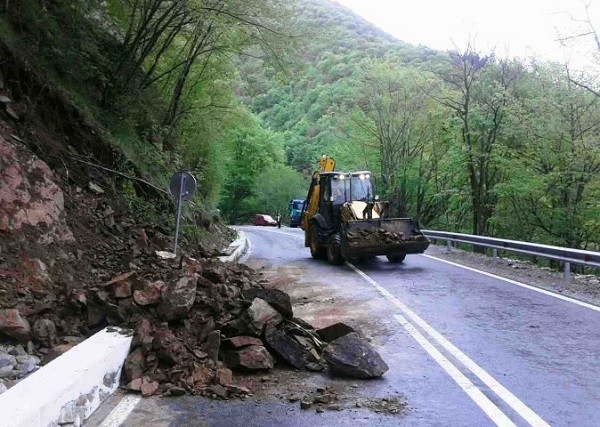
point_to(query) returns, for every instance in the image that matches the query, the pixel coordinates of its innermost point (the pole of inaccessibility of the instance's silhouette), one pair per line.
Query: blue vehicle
(296, 212)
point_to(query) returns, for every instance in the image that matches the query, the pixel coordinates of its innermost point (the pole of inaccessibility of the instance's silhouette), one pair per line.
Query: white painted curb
(71, 387)
(241, 246)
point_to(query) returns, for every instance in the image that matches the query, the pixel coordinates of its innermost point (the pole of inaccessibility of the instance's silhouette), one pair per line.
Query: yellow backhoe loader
(343, 219)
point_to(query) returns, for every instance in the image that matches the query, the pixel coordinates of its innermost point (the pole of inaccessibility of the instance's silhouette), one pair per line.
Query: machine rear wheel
(396, 258)
(316, 251)
(334, 251)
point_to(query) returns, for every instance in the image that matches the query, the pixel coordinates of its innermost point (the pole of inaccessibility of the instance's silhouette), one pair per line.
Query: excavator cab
(343, 219)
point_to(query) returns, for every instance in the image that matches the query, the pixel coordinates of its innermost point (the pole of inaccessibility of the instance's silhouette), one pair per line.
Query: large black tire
(396, 258)
(316, 251)
(334, 250)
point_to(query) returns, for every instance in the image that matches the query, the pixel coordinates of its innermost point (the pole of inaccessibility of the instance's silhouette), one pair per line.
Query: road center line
(517, 405)
(491, 410)
(523, 285)
(120, 412)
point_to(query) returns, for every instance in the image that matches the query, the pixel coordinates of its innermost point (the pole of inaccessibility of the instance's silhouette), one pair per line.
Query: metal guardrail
(565, 255)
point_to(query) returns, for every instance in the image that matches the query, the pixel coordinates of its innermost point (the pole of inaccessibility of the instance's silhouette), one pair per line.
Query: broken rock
(44, 330)
(254, 357)
(352, 356)
(134, 365)
(276, 298)
(240, 341)
(150, 294)
(259, 314)
(335, 331)
(14, 325)
(285, 346)
(178, 299)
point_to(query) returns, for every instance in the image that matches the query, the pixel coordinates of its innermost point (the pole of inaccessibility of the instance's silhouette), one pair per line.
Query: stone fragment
(178, 299)
(119, 279)
(142, 335)
(35, 272)
(44, 331)
(7, 363)
(259, 314)
(148, 387)
(122, 290)
(240, 341)
(94, 188)
(2, 388)
(335, 331)
(14, 325)
(202, 376)
(312, 366)
(237, 389)
(216, 273)
(305, 404)
(224, 376)
(352, 356)
(150, 294)
(135, 385)
(285, 346)
(276, 298)
(254, 357)
(134, 365)
(219, 390)
(212, 345)
(168, 348)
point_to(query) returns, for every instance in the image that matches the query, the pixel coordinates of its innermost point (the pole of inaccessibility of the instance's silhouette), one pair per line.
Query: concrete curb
(69, 389)
(239, 248)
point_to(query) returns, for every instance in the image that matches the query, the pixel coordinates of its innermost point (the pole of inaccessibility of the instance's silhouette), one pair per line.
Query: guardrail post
(567, 271)
(495, 254)
(448, 246)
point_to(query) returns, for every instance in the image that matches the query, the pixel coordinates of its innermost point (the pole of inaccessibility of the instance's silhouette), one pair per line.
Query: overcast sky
(521, 27)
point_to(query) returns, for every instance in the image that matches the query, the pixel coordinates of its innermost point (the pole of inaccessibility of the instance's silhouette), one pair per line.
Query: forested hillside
(465, 141)
(248, 94)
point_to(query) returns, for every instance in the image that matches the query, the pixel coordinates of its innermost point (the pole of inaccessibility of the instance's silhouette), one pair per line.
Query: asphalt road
(463, 348)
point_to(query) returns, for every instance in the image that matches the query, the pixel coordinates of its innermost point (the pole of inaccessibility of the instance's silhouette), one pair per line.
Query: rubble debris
(276, 298)
(285, 346)
(259, 314)
(352, 356)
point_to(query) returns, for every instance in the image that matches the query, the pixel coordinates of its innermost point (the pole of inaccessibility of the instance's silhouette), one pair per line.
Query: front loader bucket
(382, 237)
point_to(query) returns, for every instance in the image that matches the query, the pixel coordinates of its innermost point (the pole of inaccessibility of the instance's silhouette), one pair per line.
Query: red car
(262, 219)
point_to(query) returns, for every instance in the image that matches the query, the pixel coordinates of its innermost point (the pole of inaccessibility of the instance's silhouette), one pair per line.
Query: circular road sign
(184, 184)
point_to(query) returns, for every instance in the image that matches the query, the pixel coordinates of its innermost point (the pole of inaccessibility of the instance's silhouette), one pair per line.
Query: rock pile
(211, 318)
(16, 363)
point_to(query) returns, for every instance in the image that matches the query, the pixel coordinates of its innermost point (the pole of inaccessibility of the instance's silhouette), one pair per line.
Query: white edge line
(120, 413)
(523, 410)
(490, 409)
(523, 285)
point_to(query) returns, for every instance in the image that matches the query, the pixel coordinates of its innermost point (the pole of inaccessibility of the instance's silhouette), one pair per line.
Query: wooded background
(248, 94)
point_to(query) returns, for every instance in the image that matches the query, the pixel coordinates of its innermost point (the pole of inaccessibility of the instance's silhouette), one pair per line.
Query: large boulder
(178, 299)
(277, 299)
(352, 356)
(259, 314)
(285, 346)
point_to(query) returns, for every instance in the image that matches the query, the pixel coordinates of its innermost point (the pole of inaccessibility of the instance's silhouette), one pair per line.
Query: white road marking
(523, 285)
(491, 410)
(120, 413)
(513, 401)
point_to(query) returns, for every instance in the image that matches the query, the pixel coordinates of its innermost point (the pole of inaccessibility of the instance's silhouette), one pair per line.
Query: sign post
(182, 187)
